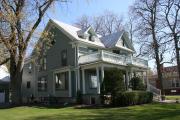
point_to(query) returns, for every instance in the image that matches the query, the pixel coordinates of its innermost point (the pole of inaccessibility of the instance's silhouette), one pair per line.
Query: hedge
(133, 98)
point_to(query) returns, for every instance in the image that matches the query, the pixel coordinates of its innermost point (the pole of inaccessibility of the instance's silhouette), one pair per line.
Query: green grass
(172, 97)
(153, 111)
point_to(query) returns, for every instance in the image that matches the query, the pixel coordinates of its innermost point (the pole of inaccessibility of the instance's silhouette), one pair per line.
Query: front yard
(153, 111)
(173, 97)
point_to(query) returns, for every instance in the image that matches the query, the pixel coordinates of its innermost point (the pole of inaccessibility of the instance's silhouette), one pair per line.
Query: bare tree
(83, 22)
(171, 18)
(147, 28)
(19, 20)
(104, 24)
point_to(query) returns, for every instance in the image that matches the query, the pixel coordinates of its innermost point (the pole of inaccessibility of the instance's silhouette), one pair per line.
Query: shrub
(133, 98)
(112, 84)
(79, 99)
(137, 84)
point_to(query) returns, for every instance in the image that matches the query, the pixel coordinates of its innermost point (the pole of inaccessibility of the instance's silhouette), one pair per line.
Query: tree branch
(5, 61)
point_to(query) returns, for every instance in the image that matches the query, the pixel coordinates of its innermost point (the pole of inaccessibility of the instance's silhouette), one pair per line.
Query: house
(78, 60)
(4, 84)
(171, 82)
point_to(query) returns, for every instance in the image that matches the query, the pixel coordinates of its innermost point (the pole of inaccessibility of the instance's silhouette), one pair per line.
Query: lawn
(153, 111)
(173, 97)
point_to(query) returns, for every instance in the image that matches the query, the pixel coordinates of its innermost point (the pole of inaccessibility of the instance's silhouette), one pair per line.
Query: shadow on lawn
(40, 106)
(145, 112)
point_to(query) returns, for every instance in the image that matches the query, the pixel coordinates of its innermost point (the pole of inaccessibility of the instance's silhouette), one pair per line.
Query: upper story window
(43, 63)
(116, 51)
(64, 57)
(42, 84)
(30, 67)
(28, 85)
(61, 81)
(86, 50)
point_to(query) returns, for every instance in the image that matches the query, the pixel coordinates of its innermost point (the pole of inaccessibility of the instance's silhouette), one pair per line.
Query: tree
(104, 24)
(18, 22)
(148, 29)
(137, 83)
(171, 18)
(113, 83)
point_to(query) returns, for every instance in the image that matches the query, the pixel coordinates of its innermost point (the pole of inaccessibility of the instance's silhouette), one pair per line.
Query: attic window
(123, 42)
(53, 42)
(92, 38)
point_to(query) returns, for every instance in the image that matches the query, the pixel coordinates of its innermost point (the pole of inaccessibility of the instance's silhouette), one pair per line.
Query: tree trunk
(16, 81)
(177, 54)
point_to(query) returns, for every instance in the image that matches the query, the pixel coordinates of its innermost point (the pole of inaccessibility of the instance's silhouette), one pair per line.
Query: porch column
(70, 90)
(127, 80)
(83, 82)
(102, 73)
(98, 82)
(131, 74)
(147, 81)
(142, 74)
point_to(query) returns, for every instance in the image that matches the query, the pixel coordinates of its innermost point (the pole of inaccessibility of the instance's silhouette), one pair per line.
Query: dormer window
(92, 38)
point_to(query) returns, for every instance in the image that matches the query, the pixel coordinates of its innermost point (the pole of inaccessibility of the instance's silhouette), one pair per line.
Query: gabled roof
(110, 40)
(72, 32)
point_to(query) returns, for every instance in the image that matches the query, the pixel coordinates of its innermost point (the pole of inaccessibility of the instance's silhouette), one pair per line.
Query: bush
(133, 98)
(137, 84)
(79, 99)
(112, 84)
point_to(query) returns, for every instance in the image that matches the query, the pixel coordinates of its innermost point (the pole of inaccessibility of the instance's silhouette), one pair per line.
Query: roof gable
(124, 41)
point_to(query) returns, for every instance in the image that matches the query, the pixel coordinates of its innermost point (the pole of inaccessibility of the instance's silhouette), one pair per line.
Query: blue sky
(71, 11)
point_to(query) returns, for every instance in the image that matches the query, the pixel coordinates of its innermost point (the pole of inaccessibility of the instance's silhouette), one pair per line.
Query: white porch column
(70, 90)
(83, 81)
(98, 81)
(127, 79)
(102, 73)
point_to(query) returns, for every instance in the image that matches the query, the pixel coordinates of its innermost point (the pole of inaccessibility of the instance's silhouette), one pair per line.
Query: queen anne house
(78, 60)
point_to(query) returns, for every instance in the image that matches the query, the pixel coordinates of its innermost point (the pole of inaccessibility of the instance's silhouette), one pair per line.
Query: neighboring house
(78, 60)
(171, 82)
(4, 84)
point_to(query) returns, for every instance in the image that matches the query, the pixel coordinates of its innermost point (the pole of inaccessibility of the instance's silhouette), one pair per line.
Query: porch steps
(156, 92)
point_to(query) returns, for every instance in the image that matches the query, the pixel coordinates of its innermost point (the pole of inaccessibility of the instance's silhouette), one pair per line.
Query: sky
(71, 11)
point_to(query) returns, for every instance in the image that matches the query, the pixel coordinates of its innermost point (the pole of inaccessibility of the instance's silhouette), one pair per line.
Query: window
(61, 81)
(175, 83)
(64, 58)
(30, 67)
(116, 51)
(43, 63)
(28, 85)
(91, 50)
(42, 84)
(93, 81)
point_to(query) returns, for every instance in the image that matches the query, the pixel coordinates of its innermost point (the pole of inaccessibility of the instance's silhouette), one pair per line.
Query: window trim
(46, 84)
(28, 86)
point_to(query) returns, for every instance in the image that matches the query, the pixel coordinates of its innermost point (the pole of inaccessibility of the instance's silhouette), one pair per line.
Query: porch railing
(156, 92)
(112, 58)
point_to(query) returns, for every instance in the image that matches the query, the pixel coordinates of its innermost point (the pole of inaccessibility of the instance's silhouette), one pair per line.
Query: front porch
(92, 75)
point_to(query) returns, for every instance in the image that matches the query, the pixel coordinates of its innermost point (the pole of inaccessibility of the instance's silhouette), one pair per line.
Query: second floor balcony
(113, 58)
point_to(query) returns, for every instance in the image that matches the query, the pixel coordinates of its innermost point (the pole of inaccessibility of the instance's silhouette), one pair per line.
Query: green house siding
(54, 62)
